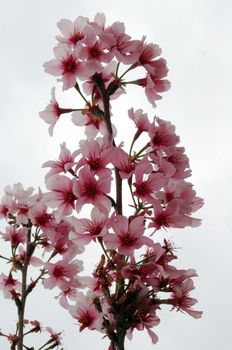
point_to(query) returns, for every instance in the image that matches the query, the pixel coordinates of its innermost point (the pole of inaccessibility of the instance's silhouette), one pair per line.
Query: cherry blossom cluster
(32, 238)
(88, 48)
(135, 274)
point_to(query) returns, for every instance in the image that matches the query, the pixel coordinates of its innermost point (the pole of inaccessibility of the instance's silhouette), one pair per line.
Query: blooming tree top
(135, 271)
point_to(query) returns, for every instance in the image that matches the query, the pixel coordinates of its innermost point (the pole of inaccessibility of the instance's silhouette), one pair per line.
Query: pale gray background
(196, 39)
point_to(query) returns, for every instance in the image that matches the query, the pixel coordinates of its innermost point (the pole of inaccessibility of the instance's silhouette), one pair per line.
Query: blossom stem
(21, 306)
(117, 69)
(103, 248)
(126, 71)
(105, 97)
(3, 257)
(79, 91)
(142, 150)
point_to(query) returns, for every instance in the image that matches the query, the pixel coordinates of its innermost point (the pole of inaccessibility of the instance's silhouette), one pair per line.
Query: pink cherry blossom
(128, 236)
(61, 196)
(52, 112)
(153, 86)
(163, 135)
(147, 55)
(168, 216)
(15, 236)
(97, 50)
(86, 314)
(99, 23)
(140, 119)
(65, 163)
(97, 155)
(40, 217)
(67, 65)
(182, 301)
(145, 187)
(92, 120)
(61, 273)
(121, 160)
(183, 192)
(9, 285)
(180, 161)
(171, 216)
(88, 189)
(87, 230)
(5, 206)
(73, 32)
(126, 50)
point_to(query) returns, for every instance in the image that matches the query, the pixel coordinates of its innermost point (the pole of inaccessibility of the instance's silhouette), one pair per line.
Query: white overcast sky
(196, 38)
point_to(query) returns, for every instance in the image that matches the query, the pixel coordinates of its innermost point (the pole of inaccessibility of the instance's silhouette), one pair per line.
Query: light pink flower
(126, 51)
(181, 300)
(180, 161)
(65, 163)
(67, 65)
(9, 285)
(92, 120)
(97, 155)
(140, 119)
(73, 32)
(171, 216)
(183, 192)
(121, 160)
(86, 314)
(40, 216)
(61, 196)
(61, 273)
(147, 55)
(87, 230)
(97, 50)
(163, 135)
(15, 236)
(52, 112)
(128, 236)
(88, 189)
(145, 186)
(5, 206)
(168, 216)
(153, 87)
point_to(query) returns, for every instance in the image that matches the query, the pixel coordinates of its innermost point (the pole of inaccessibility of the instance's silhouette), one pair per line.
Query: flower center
(69, 65)
(90, 190)
(75, 37)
